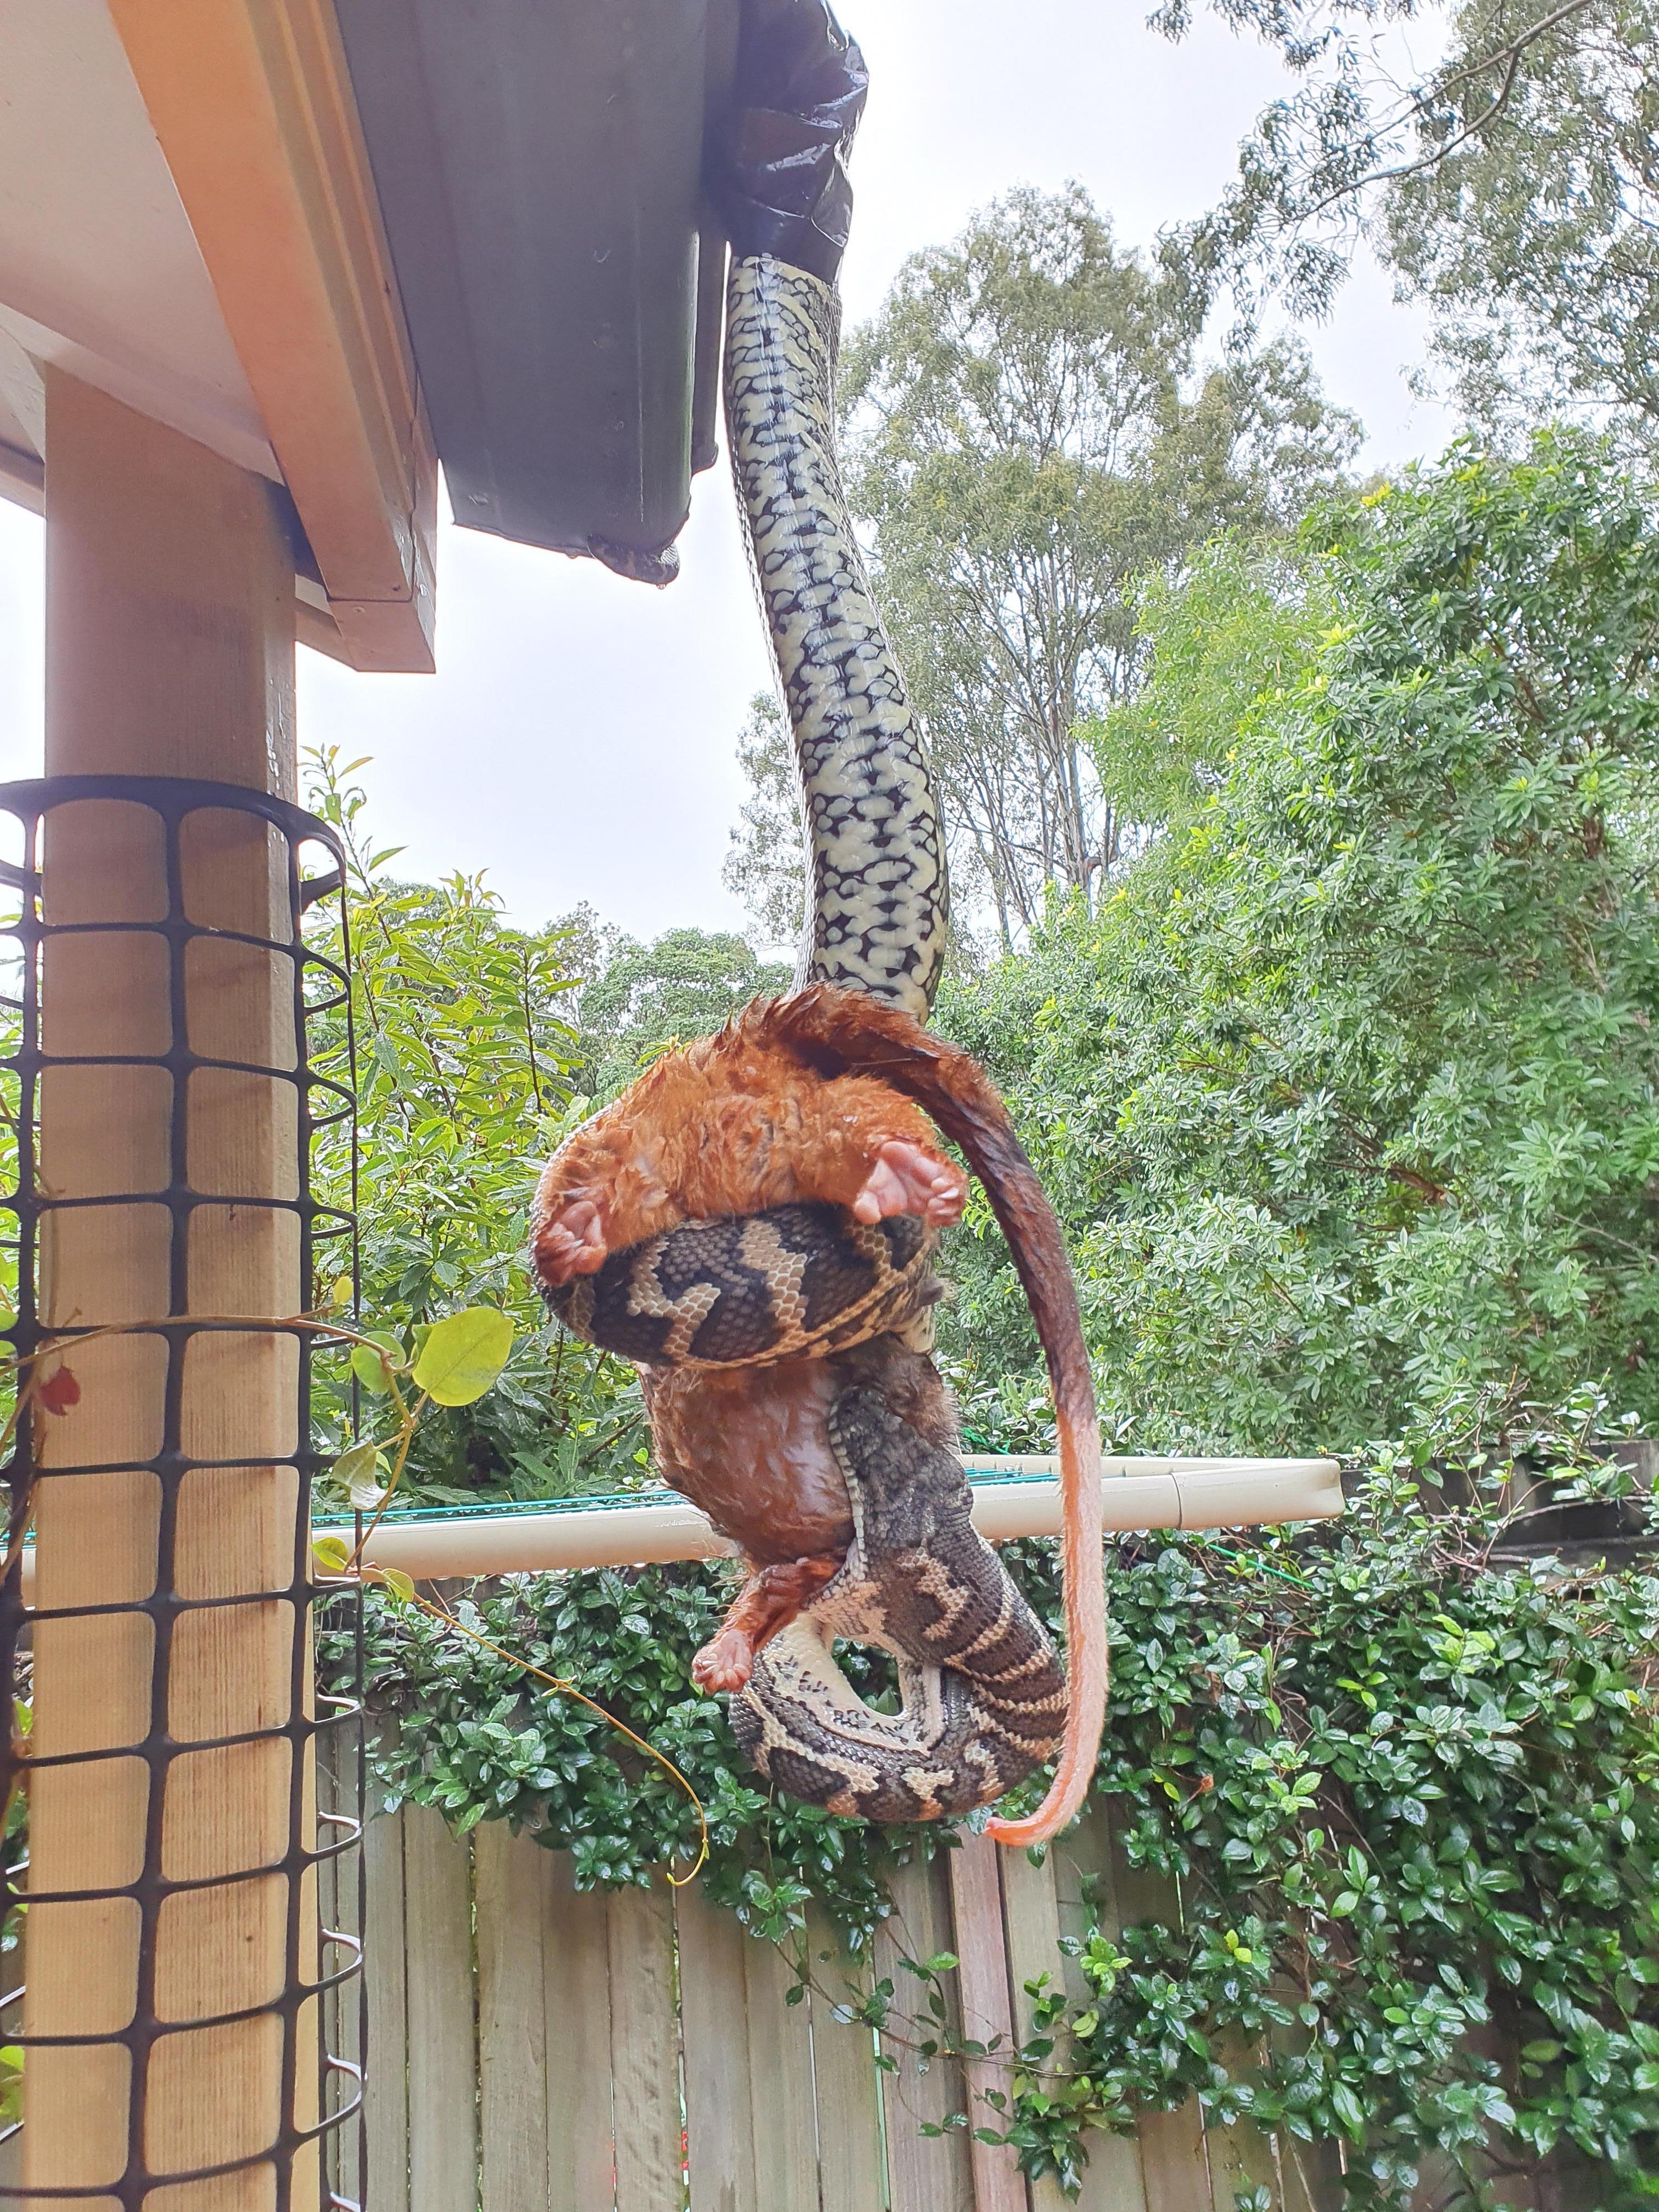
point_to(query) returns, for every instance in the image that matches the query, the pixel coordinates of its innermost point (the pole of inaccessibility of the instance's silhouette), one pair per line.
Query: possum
(734, 1124)
(820, 1096)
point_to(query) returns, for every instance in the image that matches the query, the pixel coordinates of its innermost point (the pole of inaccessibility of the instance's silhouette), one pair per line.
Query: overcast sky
(577, 742)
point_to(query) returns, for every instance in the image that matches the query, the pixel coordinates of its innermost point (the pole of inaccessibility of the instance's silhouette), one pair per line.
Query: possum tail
(839, 1032)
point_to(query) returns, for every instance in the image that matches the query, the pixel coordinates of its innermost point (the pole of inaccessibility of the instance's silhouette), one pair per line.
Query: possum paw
(724, 1662)
(572, 1243)
(907, 1180)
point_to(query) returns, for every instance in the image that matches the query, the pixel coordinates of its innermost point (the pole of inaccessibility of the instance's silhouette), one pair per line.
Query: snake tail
(878, 907)
(838, 1032)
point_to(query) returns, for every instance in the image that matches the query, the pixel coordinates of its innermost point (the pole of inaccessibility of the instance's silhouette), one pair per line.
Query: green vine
(1405, 1789)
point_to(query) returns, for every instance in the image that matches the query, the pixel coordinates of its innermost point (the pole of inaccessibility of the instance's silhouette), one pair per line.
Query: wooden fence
(533, 2046)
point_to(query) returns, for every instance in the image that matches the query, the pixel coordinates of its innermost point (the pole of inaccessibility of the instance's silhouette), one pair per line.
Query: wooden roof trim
(23, 479)
(253, 105)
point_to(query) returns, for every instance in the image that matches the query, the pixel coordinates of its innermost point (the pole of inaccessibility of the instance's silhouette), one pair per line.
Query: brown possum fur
(733, 1125)
(815, 1096)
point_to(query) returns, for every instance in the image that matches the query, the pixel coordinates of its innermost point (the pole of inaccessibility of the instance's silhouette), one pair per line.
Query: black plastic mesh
(321, 1730)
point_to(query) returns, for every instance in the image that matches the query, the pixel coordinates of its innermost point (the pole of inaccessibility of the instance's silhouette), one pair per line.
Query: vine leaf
(59, 1391)
(355, 1470)
(372, 1371)
(463, 1356)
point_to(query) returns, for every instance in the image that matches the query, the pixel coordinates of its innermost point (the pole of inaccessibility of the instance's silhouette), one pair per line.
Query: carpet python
(876, 842)
(984, 1700)
(983, 1697)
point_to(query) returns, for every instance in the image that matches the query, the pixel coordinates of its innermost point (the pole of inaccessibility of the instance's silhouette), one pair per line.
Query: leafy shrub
(1349, 1096)
(1406, 1790)
(464, 1067)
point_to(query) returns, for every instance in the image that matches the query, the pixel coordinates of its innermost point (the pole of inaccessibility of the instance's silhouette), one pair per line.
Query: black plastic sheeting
(777, 160)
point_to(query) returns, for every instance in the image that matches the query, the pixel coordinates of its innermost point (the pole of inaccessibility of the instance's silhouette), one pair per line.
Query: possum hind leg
(904, 1178)
(767, 1602)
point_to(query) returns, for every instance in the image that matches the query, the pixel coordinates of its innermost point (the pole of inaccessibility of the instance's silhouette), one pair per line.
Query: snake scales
(982, 1696)
(984, 1699)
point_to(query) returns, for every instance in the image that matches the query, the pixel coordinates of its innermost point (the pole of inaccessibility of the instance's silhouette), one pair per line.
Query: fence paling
(925, 2174)
(507, 1885)
(567, 2010)
(443, 2147)
(574, 1936)
(387, 2108)
(1116, 2180)
(714, 2023)
(645, 2069)
(1173, 2163)
(845, 2085)
(780, 2040)
(986, 2017)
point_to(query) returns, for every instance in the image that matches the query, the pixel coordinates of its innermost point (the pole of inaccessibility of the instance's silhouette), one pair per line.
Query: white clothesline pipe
(1138, 1493)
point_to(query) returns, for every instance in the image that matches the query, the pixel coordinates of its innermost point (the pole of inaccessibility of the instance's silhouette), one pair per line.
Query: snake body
(984, 1699)
(878, 904)
(746, 1290)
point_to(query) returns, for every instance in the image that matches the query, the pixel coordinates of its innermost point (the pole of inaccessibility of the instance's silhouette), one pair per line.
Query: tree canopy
(640, 998)
(1028, 431)
(1511, 187)
(1350, 1094)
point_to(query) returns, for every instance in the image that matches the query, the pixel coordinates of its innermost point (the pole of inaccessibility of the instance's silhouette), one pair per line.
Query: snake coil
(983, 1698)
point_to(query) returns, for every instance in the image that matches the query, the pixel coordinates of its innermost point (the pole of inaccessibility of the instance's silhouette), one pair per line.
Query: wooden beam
(253, 106)
(22, 479)
(169, 652)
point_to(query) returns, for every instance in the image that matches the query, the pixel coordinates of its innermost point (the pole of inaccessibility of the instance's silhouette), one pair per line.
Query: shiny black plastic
(776, 166)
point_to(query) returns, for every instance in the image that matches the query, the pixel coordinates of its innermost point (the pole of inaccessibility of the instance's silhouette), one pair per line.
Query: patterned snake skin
(879, 908)
(798, 1281)
(984, 1698)
(983, 1695)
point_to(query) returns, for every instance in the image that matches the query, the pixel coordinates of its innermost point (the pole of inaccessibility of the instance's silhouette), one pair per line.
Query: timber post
(169, 654)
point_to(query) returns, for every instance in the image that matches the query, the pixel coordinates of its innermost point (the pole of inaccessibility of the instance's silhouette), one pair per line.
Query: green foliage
(644, 999)
(465, 1078)
(1405, 1790)
(1511, 185)
(463, 1356)
(1350, 1095)
(1534, 238)
(472, 1737)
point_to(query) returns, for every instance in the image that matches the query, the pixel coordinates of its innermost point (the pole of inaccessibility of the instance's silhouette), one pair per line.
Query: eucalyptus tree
(766, 859)
(1026, 434)
(1512, 186)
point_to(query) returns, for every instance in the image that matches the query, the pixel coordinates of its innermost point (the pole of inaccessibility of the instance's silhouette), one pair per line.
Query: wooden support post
(169, 653)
